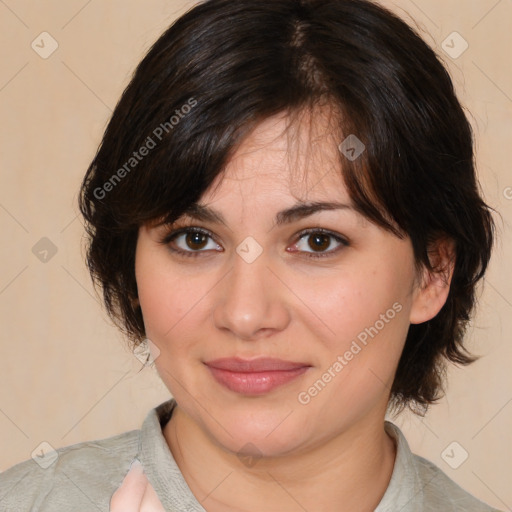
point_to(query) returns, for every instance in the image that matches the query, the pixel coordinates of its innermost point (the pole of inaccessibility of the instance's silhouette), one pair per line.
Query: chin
(257, 436)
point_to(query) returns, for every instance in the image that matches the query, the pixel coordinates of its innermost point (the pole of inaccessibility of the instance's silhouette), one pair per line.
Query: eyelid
(338, 236)
(180, 230)
(322, 254)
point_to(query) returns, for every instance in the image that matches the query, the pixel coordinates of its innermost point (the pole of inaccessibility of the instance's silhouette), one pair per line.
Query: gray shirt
(82, 477)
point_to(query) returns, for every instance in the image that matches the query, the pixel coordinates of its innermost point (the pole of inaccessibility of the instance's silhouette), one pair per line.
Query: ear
(430, 294)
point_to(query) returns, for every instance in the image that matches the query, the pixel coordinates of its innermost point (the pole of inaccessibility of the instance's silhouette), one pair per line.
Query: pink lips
(256, 376)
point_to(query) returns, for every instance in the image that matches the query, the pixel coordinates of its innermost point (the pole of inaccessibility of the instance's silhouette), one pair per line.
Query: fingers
(128, 498)
(150, 501)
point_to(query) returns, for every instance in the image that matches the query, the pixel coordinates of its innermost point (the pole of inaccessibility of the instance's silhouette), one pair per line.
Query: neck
(350, 471)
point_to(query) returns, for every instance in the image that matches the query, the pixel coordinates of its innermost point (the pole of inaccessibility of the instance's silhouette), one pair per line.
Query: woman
(284, 211)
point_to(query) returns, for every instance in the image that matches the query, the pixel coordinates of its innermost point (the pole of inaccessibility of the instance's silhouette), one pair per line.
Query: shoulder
(417, 484)
(82, 476)
(437, 487)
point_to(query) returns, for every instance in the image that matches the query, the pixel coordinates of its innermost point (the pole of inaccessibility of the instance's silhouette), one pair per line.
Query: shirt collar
(159, 465)
(404, 491)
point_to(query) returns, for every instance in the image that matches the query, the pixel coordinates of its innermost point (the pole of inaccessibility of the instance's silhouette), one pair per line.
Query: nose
(251, 302)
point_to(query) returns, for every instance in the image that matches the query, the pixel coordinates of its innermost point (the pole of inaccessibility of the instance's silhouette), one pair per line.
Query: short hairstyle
(225, 66)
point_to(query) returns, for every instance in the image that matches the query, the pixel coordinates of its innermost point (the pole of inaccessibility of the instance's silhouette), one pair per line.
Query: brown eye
(196, 240)
(190, 241)
(320, 243)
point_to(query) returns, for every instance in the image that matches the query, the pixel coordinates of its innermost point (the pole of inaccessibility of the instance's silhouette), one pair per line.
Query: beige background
(65, 375)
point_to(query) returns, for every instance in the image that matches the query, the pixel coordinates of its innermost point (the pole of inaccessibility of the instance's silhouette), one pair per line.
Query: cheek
(364, 314)
(164, 297)
(358, 362)
(167, 306)
(360, 298)
(175, 309)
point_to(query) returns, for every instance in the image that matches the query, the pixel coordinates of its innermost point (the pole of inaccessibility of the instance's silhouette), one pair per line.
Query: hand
(135, 494)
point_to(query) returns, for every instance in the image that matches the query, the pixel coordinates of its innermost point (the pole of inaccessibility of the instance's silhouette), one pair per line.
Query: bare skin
(135, 494)
(330, 452)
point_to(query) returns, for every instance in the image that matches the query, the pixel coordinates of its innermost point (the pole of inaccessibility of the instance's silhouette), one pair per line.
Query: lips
(256, 376)
(262, 364)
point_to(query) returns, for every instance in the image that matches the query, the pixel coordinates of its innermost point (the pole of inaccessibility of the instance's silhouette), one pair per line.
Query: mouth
(256, 376)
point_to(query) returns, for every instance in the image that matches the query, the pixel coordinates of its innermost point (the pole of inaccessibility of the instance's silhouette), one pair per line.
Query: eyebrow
(296, 212)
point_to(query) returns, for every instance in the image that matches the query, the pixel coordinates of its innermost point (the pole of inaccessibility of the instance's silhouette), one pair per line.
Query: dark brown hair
(225, 66)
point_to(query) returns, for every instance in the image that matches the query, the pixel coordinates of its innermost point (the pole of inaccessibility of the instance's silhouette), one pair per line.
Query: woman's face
(253, 288)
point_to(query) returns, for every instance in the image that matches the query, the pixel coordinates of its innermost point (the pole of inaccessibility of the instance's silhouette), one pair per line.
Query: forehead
(285, 155)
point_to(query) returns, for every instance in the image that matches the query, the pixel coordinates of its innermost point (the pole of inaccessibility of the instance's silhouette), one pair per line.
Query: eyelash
(169, 237)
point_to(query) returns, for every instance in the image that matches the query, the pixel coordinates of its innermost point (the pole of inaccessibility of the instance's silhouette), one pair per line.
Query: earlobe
(431, 293)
